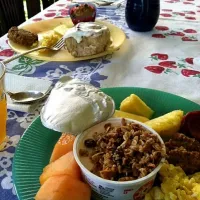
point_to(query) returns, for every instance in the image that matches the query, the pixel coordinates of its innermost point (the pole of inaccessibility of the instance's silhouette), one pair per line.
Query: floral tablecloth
(167, 58)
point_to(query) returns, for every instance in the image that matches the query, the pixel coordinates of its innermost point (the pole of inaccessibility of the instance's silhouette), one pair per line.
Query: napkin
(16, 83)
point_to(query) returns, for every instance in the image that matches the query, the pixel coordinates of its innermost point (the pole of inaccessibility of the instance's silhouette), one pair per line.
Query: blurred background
(15, 12)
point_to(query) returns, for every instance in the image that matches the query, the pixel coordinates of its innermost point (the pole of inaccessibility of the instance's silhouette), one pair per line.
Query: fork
(55, 47)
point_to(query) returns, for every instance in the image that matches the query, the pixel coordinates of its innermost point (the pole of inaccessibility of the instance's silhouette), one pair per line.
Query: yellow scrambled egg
(176, 185)
(51, 37)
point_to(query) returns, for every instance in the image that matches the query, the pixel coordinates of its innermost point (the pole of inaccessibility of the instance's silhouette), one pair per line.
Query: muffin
(87, 38)
(85, 12)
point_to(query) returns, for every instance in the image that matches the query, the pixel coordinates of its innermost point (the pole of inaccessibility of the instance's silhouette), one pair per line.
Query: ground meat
(184, 152)
(126, 152)
(22, 37)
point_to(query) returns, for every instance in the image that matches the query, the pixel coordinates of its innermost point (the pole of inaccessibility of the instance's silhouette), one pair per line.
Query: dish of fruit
(44, 160)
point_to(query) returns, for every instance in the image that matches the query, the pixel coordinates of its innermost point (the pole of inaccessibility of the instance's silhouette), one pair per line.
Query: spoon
(25, 97)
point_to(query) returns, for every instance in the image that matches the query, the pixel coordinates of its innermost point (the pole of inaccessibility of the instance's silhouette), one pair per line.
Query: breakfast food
(168, 124)
(124, 152)
(191, 125)
(184, 152)
(82, 13)
(22, 37)
(64, 165)
(63, 187)
(49, 39)
(63, 146)
(72, 100)
(61, 29)
(134, 104)
(119, 113)
(175, 185)
(87, 38)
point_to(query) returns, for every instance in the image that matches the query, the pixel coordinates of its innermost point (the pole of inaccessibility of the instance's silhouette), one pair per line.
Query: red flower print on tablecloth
(158, 69)
(186, 2)
(60, 5)
(189, 61)
(185, 15)
(191, 12)
(50, 14)
(37, 19)
(190, 18)
(162, 28)
(169, 64)
(162, 32)
(159, 56)
(166, 15)
(190, 72)
(158, 36)
(190, 31)
(176, 33)
(189, 39)
(6, 52)
(179, 66)
(179, 13)
(155, 69)
(167, 10)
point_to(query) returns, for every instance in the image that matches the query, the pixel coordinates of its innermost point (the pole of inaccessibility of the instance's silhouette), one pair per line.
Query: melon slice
(63, 187)
(63, 146)
(64, 165)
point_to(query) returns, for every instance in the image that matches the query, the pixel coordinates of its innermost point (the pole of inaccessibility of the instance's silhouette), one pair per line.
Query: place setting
(110, 109)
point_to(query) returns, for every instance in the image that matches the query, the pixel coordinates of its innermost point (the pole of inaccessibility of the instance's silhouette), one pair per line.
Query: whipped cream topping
(85, 29)
(74, 106)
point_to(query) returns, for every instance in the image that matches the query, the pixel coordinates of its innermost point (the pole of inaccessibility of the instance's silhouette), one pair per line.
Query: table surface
(165, 58)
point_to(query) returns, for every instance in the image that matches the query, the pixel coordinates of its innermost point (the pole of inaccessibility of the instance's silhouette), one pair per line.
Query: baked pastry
(85, 12)
(87, 38)
(22, 37)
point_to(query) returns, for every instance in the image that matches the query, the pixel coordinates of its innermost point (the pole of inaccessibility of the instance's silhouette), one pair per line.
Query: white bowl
(114, 190)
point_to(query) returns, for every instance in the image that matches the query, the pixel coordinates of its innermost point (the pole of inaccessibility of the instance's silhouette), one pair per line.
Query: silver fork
(55, 47)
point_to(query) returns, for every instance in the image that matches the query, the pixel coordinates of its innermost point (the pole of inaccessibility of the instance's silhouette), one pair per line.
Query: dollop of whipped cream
(85, 29)
(74, 106)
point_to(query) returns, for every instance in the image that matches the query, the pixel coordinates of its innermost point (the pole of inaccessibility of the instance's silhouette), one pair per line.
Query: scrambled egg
(51, 37)
(176, 185)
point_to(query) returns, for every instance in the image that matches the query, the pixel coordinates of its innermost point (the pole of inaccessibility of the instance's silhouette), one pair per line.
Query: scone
(87, 38)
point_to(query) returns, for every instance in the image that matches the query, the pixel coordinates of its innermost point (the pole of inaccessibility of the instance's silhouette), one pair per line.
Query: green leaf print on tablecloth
(25, 66)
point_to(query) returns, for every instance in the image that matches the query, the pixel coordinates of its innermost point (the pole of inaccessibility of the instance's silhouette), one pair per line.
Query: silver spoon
(26, 97)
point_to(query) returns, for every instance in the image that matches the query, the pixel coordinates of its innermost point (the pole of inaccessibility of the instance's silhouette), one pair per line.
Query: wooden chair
(12, 12)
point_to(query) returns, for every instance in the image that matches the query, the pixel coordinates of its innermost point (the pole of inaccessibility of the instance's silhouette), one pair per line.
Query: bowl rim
(86, 171)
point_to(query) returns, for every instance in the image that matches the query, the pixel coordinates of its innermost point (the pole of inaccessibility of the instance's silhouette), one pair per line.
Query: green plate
(35, 147)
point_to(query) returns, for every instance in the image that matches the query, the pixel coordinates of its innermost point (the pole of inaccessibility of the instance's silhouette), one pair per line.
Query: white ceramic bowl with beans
(103, 189)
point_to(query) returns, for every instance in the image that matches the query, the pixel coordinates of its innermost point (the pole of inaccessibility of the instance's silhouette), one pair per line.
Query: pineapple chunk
(61, 29)
(168, 124)
(133, 104)
(122, 114)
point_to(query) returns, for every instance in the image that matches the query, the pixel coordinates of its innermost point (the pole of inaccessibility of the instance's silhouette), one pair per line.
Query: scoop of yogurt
(74, 106)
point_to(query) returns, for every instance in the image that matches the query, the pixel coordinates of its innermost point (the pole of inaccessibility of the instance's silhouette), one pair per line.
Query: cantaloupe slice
(63, 146)
(64, 165)
(63, 187)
